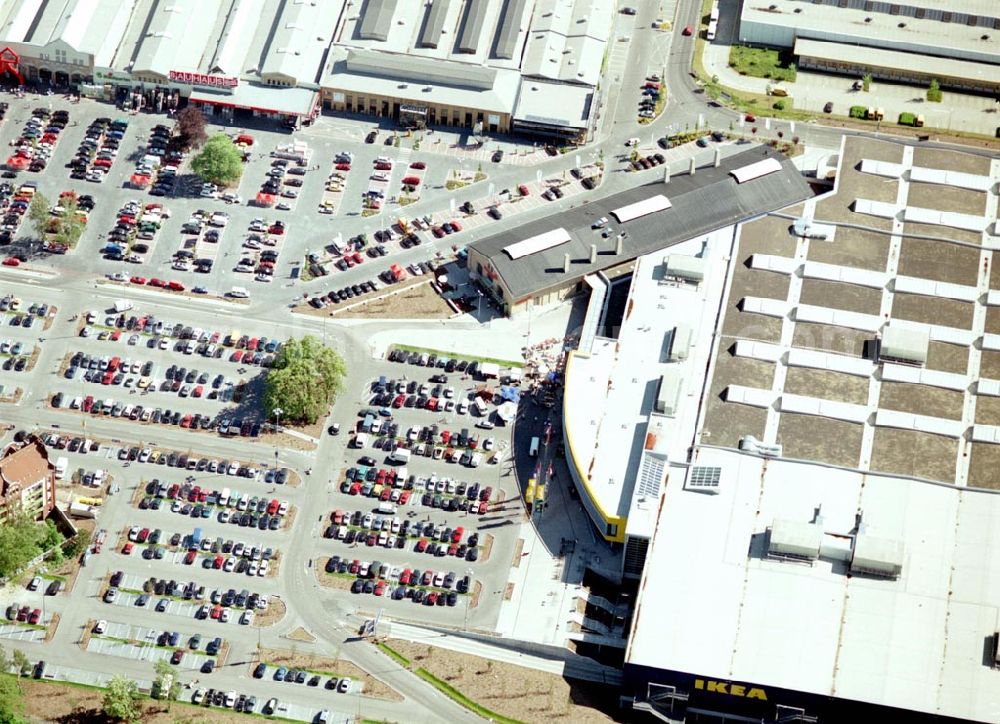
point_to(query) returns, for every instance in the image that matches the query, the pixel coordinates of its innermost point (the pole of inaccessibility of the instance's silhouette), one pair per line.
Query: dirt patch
(538, 695)
(518, 549)
(333, 580)
(289, 519)
(487, 547)
(508, 593)
(53, 625)
(283, 441)
(922, 400)
(853, 248)
(477, 591)
(275, 612)
(837, 295)
(418, 301)
(14, 397)
(323, 665)
(811, 437)
(909, 452)
(60, 702)
(827, 385)
(300, 634)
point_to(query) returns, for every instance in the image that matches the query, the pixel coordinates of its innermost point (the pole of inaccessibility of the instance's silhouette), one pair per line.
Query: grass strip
(440, 353)
(455, 695)
(394, 655)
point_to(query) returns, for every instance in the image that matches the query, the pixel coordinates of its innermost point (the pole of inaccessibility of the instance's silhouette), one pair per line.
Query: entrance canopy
(263, 99)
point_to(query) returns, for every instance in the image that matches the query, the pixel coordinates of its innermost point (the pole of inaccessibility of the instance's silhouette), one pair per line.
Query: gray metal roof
(420, 69)
(510, 28)
(709, 200)
(430, 36)
(376, 18)
(472, 26)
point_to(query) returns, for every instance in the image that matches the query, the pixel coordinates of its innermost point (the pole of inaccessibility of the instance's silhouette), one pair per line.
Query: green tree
(68, 228)
(934, 91)
(306, 377)
(38, 213)
(121, 699)
(21, 662)
(164, 673)
(11, 700)
(219, 162)
(21, 540)
(866, 82)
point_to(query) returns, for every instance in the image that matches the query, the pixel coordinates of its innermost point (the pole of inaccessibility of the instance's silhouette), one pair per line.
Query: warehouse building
(493, 66)
(819, 549)
(547, 260)
(958, 42)
(259, 57)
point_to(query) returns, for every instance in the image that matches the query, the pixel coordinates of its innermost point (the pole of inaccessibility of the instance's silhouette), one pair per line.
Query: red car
(197, 391)
(421, 545)
(127, 549)
(398, 402)
(411, 180)
(456, 535)
(438, 232)
(688, 30)
(404, 497)
(418, 165)
(483, 507)
(143, 535)
(154, 282)
(35, 616)
(355, 489)
(386, 492)
(189, 558)
(458, 226)
(12, 261)
(138, 280)
(358, 259)
(343, 167)
(276, 229)
(383, 166)
(523, 190)
(379, 590)
(751, 117)
(175, 286)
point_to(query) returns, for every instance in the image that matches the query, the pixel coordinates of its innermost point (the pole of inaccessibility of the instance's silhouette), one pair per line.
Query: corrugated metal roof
(709, 200)
(376, 19)
(472, 26)
(430, 36)
(510, 28)
(420, 70)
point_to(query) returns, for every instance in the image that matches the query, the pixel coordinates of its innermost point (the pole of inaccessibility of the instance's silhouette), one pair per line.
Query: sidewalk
(812, 91)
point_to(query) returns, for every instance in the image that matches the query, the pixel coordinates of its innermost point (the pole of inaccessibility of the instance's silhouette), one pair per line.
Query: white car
(101, 627)
(262, 570)
(632, 142)
(230, 699)
(247, 618)
(118, 277)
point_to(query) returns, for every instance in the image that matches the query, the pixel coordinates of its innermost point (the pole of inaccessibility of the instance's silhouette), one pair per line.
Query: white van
(360, 440)
(533, 450)
(61, 465)
(239, 293)
(400, 455)
(386, 508)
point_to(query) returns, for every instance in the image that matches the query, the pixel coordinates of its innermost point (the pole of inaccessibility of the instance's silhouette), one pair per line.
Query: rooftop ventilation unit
(879, 557)
(750, 444)
(794, 540)
(704, 479)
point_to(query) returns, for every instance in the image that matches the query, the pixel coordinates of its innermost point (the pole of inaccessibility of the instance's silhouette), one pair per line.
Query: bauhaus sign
(214, 81)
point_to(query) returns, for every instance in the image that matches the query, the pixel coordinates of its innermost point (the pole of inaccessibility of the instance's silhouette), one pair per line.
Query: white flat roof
(755, 170)
(915, 642)
(608, 413)
(535, 244)
(655, 203)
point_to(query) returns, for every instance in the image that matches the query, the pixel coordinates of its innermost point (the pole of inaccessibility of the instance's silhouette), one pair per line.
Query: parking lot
(145, 366)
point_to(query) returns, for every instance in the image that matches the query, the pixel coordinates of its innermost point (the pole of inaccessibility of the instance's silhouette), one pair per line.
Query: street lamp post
(277, 427)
